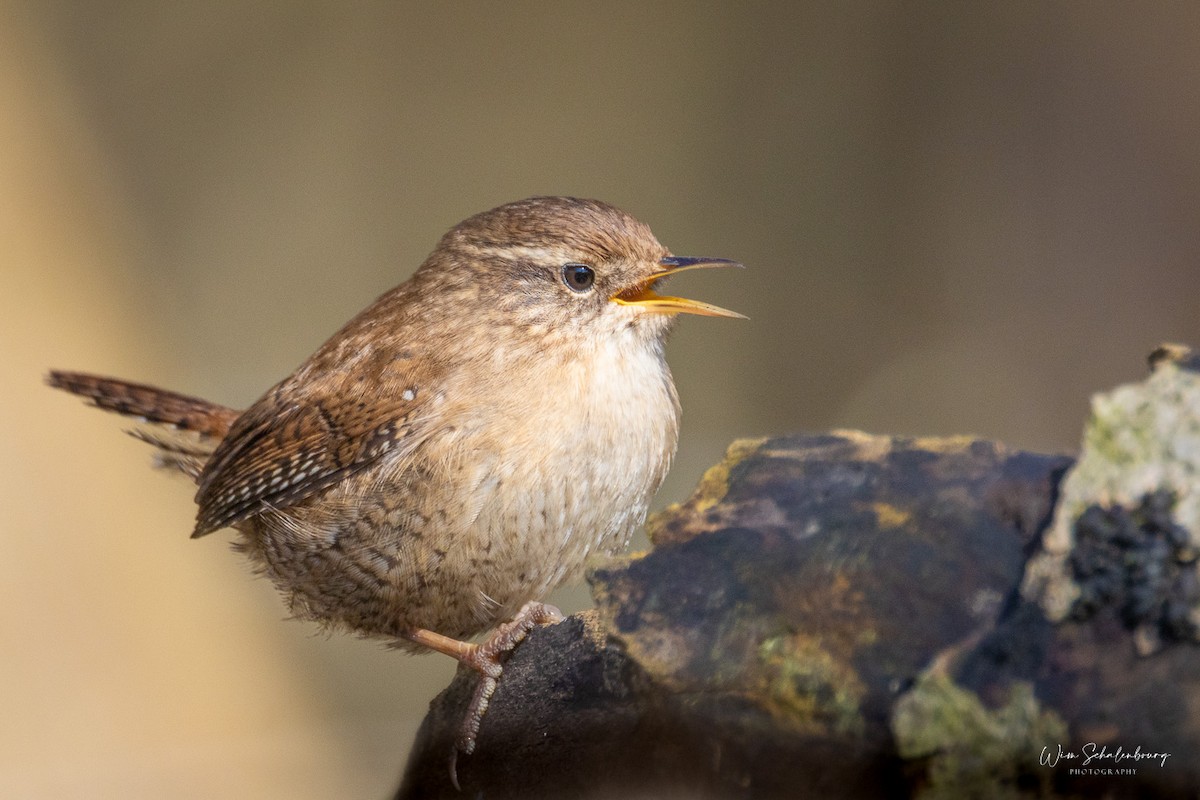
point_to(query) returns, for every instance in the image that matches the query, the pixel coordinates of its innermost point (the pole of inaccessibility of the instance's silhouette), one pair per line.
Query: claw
(454, 769)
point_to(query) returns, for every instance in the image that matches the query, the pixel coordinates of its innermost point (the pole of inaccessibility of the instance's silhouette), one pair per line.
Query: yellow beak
(642, 293)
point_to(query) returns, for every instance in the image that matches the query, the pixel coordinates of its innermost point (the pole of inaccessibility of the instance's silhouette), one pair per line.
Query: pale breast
(577, 473)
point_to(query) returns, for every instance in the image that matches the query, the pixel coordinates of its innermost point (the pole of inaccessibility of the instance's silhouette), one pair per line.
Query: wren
(458, 449)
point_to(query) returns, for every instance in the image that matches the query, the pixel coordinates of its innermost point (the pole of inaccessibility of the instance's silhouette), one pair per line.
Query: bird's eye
(578, 277)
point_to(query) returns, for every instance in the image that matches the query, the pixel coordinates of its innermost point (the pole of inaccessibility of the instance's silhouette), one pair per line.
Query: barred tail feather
(183, 430)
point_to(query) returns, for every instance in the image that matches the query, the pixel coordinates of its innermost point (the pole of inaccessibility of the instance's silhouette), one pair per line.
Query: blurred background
(957, 219)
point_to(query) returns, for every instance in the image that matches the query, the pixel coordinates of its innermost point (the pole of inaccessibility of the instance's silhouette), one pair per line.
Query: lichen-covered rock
(1142, 442)
(828, 573)
(845, 615)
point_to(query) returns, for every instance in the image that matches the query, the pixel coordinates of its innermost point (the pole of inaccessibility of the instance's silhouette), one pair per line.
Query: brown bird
(459, 448)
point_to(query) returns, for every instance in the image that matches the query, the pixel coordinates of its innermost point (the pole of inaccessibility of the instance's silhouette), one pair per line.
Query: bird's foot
(487, 659)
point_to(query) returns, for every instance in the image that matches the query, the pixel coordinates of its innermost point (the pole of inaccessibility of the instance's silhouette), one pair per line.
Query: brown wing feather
(283, 450)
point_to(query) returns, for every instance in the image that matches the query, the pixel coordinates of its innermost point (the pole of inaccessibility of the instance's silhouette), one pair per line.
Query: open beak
(642, 293)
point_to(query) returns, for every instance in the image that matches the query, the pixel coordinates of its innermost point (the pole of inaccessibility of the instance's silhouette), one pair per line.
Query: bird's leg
(486, 659)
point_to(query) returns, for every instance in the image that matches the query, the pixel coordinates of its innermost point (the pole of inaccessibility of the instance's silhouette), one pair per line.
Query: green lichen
(971, 751)
(1141, 439)
(710, 491)
(809, 688)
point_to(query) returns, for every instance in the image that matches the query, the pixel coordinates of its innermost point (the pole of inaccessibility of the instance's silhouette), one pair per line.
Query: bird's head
(565, 264)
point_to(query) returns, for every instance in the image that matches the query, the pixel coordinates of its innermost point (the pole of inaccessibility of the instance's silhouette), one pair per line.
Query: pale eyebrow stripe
(537, 254)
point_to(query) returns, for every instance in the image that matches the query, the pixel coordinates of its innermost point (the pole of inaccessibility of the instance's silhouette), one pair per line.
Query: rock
(842, 615)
